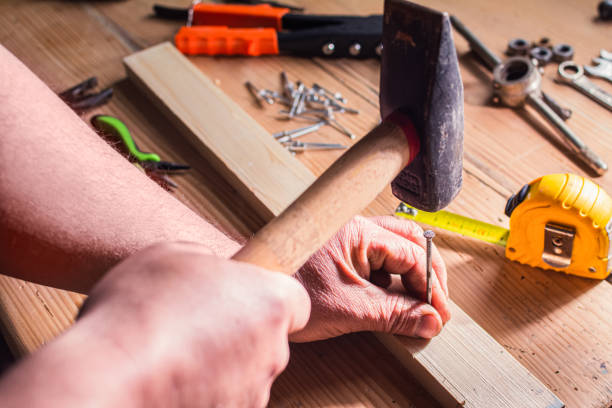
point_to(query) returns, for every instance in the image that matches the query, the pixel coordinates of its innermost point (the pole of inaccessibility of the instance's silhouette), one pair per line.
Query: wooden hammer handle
(341, 192)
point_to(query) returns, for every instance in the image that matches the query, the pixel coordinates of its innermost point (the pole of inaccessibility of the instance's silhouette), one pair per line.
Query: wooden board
(557, 326)
(462, 366)
(262, 171)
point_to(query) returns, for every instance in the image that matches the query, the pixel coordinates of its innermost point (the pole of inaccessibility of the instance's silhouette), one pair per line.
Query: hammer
(418, 146)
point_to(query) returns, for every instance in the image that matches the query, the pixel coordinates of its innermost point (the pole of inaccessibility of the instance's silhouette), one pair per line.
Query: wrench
(516, 83)
(602, 69)
(572, 74)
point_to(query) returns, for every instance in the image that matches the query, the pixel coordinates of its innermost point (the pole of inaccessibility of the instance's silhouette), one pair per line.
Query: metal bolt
(322, 91)
(296, 99)
(429, 234)
(288, 135)
(288, 87)
(255, 92)
(379, 49)
(355, 49)
(328, 48)
(329, 114)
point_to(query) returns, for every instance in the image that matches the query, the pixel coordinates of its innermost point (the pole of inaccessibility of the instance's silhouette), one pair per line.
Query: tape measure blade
(456, 223)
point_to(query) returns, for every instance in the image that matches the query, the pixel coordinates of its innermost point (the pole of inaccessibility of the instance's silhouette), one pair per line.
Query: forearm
(70, 206)
(83, 367)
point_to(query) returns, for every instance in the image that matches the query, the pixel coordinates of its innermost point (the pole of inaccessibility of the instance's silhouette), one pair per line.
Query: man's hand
(171, 326)
(350, 282)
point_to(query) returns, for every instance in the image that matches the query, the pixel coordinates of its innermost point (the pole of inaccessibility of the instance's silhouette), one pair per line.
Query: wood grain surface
(555, 325)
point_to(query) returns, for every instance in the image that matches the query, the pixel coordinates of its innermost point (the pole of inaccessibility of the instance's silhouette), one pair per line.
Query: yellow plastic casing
(569, 200)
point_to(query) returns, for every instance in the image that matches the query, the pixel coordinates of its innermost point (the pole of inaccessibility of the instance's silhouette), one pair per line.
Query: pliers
(150, 163)
(80, 100)
(224, 29)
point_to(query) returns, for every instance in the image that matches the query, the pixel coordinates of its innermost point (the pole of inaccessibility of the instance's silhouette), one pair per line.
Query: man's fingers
(413, 232)
(397, 255)
(289, 301)
(405, 315)
(438, 297)
(391, 252)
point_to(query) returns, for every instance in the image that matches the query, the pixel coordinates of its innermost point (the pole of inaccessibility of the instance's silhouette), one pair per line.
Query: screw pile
(315, 103)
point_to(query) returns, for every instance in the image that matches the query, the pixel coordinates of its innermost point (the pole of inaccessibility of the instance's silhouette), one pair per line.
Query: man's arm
(170, 326)
(70, 206)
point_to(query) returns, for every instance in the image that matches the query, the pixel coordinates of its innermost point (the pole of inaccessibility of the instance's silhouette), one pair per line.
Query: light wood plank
(463, 365)
(264, 173)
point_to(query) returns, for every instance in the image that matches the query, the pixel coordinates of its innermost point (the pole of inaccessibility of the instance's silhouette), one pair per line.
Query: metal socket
(563, 52)
(541, 54)
(514, 79)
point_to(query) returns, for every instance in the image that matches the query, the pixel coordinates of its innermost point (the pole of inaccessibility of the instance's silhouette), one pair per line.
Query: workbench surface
(557, 326)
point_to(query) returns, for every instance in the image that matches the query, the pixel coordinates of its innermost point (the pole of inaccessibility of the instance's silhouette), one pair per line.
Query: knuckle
(415, 254)
(161, 249)
(400, 316)
(416, 228)
(277, 303)
(359, 220)
(276, 313)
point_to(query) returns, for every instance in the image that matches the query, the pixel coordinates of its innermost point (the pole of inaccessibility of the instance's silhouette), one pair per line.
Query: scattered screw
(316, 104)
(288, 135)
(296, 99)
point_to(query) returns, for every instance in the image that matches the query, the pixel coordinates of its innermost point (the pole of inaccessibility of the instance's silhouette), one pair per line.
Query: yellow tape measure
(561, 222)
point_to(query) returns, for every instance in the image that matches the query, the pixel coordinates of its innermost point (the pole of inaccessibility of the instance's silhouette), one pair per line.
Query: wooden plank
(265, 174)
(463, 365)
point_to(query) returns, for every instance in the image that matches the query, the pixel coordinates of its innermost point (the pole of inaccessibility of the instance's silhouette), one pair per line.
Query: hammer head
(420, 80)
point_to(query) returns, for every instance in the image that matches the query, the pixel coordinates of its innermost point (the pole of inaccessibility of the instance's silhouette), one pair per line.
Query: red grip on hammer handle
(403, 122)
(217, 40)
(231, 15)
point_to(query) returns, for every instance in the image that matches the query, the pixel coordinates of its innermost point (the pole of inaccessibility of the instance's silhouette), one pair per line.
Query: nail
(429, 234)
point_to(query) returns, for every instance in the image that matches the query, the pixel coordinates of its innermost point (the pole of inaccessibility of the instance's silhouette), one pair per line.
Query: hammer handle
(341, 192)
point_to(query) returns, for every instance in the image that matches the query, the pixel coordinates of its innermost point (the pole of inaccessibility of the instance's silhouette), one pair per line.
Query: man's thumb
(407, 316)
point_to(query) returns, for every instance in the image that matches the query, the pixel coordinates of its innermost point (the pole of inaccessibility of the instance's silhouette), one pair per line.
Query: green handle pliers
(151, 162)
